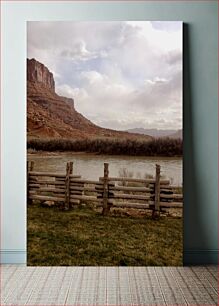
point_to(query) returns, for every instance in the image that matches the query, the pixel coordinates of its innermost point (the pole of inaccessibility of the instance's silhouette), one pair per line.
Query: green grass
(83, 237)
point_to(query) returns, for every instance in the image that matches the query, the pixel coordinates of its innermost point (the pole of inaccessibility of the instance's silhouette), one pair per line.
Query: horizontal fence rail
(67, 189)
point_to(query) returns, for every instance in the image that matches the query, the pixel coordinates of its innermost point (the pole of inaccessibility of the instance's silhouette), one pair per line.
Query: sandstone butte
(52, 116)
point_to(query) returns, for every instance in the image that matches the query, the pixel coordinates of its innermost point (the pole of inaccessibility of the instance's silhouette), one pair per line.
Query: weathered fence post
(67, 186)
(58, 179)
(27, 182)
(105, 189)
(156, 211)
(70, 172)
(71, 167)
(30, 166)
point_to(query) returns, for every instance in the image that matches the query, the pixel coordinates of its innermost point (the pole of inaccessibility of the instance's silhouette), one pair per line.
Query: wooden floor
(137, 286)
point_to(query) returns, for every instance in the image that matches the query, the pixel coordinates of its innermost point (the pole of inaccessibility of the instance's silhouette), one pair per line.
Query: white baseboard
(13, 256)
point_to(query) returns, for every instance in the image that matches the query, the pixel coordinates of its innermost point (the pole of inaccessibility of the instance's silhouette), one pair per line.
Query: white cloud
(120, 74)
(79, 52)
(159, 39)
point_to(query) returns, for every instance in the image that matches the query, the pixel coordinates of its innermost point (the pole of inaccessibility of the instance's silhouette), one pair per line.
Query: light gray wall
(200, 112)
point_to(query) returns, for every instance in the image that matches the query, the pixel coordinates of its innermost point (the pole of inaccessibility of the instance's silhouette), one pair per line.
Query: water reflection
(90, 166)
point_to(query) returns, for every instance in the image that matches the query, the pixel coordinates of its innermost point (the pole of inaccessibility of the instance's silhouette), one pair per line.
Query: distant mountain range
(157, 133)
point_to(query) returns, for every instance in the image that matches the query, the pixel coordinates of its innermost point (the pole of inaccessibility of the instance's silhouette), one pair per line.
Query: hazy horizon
(121, 75)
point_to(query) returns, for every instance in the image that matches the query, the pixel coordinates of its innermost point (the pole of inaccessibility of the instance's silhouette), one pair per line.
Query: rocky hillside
(52, 116)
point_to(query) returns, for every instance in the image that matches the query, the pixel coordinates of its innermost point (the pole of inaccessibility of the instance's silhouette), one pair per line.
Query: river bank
(90, 165)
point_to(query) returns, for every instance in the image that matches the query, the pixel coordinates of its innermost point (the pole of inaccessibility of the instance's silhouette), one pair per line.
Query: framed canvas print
(104, 143)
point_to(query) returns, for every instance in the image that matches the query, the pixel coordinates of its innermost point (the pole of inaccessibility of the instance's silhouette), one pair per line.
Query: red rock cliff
(52, 116)
(37, 72)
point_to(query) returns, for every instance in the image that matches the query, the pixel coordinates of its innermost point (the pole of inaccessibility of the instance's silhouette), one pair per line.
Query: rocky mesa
(37, 72)
(52, 116)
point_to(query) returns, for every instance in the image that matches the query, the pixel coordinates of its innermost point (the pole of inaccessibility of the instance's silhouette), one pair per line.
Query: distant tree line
(155, 147)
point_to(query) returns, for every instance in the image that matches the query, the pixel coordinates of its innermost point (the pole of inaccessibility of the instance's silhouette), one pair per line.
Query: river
(90, 166)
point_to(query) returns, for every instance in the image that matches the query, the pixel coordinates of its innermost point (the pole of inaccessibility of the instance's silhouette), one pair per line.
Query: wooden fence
(68, 189)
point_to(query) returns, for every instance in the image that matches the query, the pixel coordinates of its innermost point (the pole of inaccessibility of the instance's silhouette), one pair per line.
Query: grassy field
(83, 237)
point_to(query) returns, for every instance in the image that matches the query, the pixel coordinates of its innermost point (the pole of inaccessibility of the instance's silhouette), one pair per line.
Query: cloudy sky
(121, 74)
